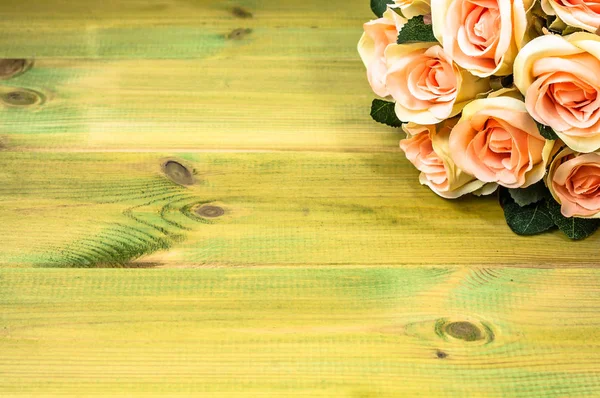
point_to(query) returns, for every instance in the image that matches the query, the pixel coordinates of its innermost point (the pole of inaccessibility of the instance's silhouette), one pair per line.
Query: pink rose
(378, 34)
(427, 86)
(574, 181)
(480, 36)
(584, 14)
(559, 78)
(426, 147)
(497, 141)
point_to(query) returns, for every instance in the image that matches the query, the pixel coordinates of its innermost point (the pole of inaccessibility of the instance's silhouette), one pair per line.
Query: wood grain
(233, 137)
(261, 103)
(285, 208)
(174, 29)
(168, 75)
(300, 332)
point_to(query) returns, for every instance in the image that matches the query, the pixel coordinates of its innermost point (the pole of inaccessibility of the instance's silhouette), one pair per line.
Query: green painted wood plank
(174, 29)
(150, 105)
(280, 208)
(342, 332)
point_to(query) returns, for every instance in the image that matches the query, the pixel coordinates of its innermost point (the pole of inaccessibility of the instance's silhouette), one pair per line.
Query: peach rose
(480, 36)
(411, 8)
(583, 14)
(559, 78)
(426, 147)
(378, 34)
(427, 86)
(574, 181)
(497, 141)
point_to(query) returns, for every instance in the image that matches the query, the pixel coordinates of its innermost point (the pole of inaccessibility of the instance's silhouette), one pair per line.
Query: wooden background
(321, 266)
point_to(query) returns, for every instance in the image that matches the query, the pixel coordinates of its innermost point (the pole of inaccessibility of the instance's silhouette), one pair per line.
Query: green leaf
(531, 219)
(575, 228)
(379, 6)
(383, 112)
(532, 194)
(547, 132)
(415, 30)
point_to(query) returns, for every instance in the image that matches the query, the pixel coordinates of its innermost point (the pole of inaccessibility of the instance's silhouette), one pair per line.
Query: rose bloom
(584, 14)
(412, 8)
(426, 147)
(560, 78)
(497, 141)
(427, 86)
(378, 34)
(480, 36)
(574, 181)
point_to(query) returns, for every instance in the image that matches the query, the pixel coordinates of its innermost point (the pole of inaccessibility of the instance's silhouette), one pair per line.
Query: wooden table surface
(275, 240)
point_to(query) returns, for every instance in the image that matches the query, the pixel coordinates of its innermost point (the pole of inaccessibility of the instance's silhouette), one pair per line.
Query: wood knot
(178, 173)
(210, 211)
(239, 34)
(22, 97)
(11, 67)
(240, 12)
(441, 354)
(464, 330)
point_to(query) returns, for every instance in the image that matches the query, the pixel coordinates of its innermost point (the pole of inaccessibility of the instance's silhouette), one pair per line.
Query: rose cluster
(493, 94)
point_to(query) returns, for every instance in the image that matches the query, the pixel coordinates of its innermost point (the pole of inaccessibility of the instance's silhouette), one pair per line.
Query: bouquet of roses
(495, 96)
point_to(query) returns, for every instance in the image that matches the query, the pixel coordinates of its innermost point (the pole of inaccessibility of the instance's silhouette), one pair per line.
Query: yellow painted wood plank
(282, 208)
(324, 268)
(175, 28)
(378, 332)
(227, 103)
(179, 12)
(168, 75)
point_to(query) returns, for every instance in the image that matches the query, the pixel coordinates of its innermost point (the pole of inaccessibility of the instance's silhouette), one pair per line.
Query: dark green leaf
(547, 132)
(383, 112)
(379, 6)
(415, 30)
(575, 228)
(532, 194)
(532, 219)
